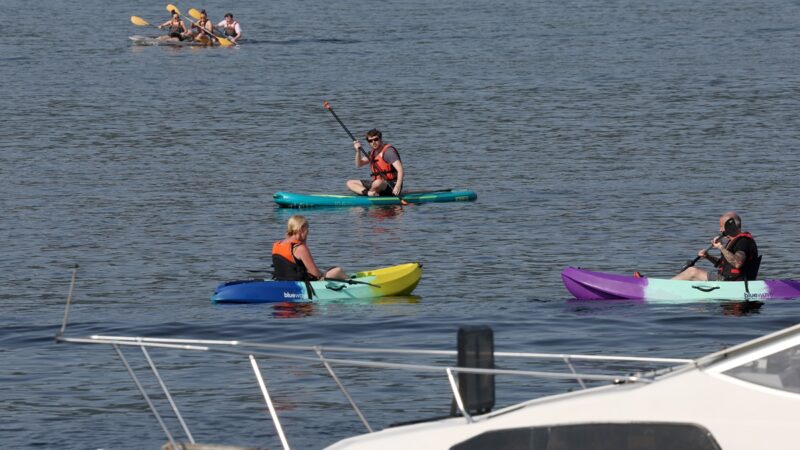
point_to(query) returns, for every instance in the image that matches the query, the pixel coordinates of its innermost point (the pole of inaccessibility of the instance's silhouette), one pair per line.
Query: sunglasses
(373, 139)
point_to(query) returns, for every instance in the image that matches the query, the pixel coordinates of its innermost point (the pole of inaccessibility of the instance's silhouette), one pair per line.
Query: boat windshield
(779, 370)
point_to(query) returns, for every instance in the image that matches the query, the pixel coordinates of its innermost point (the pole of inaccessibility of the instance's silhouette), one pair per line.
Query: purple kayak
(588, 285)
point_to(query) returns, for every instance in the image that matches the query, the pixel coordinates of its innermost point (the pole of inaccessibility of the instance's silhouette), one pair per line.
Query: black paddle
(350, 281)
(694, 261)
(339, 280)
(327, 106)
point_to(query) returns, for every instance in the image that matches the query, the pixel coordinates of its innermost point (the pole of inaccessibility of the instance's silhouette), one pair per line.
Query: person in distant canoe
(202, 24)
(387, 169)
(292, 259)
(177, 29)
(739, 258)
(231, 28)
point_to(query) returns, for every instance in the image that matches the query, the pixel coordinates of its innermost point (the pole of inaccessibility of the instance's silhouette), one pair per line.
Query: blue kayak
(294, 200)
(384, 282)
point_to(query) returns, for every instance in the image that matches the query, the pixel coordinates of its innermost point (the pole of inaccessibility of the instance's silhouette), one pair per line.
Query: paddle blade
(195, 14)
(326, 105)
(171, 7)
(224, 42)
(139, 22)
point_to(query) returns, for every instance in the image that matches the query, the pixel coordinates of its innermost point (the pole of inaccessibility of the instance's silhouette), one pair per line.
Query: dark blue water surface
(608, 135)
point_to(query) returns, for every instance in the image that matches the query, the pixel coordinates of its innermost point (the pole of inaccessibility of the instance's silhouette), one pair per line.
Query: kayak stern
(587, 285)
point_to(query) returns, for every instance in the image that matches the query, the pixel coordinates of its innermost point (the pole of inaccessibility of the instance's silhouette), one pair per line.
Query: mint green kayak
(293, 200)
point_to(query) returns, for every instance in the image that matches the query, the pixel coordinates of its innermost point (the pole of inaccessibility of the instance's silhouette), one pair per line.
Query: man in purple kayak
(738, 260)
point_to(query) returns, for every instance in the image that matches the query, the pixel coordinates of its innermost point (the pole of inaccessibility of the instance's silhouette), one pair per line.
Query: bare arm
(398, 186)
(736, 259)
(704, 254)
(361, 160)
(302, 253)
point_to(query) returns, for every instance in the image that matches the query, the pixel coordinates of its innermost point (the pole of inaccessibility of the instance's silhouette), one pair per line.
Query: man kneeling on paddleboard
(384, 161)
(739, 257)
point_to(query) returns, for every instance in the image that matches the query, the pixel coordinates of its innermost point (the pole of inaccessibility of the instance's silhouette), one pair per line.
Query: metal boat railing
(320, 355)
(316, 354)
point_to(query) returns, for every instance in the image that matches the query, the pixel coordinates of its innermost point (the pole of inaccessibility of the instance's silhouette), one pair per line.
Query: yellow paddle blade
(171, 7)
(138, 21)
(224, 42)
(195, 14)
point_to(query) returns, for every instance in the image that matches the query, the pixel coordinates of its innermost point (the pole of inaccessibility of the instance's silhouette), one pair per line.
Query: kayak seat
(756, 266)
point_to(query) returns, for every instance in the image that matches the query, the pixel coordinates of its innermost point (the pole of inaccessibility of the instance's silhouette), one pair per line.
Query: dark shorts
(386, 192)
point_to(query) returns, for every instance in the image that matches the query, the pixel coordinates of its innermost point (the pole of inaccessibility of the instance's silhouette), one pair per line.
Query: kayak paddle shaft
(694, 261)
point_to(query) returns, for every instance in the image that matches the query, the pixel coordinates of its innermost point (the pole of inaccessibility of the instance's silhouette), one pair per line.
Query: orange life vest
(287, 267)
(380, 168)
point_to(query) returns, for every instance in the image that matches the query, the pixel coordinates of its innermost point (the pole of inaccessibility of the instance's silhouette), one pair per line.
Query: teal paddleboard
(293, 200)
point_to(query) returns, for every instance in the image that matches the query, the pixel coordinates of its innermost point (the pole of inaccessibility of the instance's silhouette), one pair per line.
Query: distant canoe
(165, 41)
(294, 200)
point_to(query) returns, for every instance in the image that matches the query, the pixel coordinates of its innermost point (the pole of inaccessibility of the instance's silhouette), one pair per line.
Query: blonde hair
(296, 224)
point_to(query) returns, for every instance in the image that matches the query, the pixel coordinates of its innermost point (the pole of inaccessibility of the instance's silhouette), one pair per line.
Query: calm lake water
(607, 135)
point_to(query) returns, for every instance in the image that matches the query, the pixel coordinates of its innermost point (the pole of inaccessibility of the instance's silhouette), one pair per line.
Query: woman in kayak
(387, 169)
(177, 29)
(292, 259)
(203, 24)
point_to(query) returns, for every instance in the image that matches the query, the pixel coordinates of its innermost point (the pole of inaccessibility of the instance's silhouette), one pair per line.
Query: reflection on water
(375, 212)
(613, 307)
(600, 307)
(385, 212)
(290, 310)
(377, 220)
(296, 310)
(741, 308)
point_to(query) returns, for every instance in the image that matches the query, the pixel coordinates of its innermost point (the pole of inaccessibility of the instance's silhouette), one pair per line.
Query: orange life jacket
(727, 271)
(380, 168)
(287, 267)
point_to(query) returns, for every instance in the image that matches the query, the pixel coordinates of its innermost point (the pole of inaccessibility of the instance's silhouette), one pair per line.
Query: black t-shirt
(750, 250)
(746, 245)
